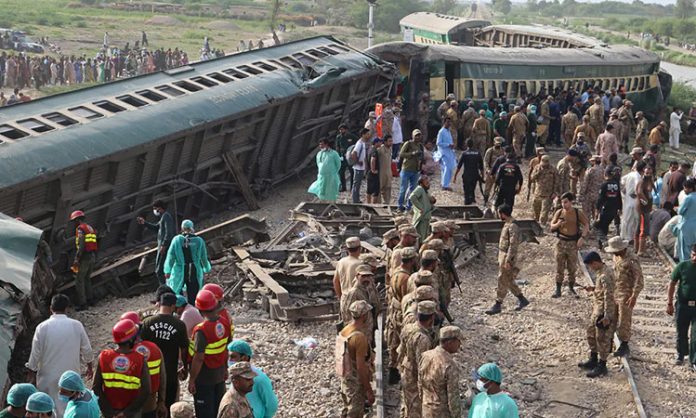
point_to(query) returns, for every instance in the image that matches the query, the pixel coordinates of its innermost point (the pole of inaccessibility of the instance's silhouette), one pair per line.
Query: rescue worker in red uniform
(208, 352)
(155, 404)
(85, 258)
(122, 379)
(219, 293)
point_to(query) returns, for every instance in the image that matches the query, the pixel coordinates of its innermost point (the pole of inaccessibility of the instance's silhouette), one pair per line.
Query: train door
(452, 78)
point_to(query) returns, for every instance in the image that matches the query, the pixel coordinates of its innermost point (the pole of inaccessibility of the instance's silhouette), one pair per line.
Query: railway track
(649, 369)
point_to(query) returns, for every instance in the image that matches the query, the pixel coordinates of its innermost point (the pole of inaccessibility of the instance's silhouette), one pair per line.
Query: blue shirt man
(262, 399)
(445, 154)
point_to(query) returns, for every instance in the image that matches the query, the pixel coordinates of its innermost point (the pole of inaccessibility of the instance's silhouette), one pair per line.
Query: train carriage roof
(546, 31)
(609, 55)
(439, 23)
(64, 147)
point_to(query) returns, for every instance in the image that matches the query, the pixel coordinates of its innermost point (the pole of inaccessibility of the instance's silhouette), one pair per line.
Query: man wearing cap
(439, 231)
(602, 319)
(262, 399)
(652, 157)
(85, 258)
(82, 402)
(628, 284)
(399, 288)
(355, 357)
(491, 400)
(533, 163)
(187, 262)
(416, 339)
(453, 115)
(641, 131)
(584, 154)
(389, 240)
(590, 187)
(171, 337)
(347, 266)
(386, 119)
(507, 262)
(370, 125)
(571, 226)
(364, 280)
(384, 167)
(588, 130)
(625, 115)
(424, 291)
(409, 238)
(17, 400)
(544, 120)
(423, 205)
(235, 404)
(568, 171)
(411, 155)
(344, 140)
(657, 133)
(59, 344)
(424, 115)
(40, 405)
(545, 179)
(444, 107)
(481, 131)
(439, 375)
(569, 122)
(492, 154)
(596, 114)
(467, 121)
(360, 155)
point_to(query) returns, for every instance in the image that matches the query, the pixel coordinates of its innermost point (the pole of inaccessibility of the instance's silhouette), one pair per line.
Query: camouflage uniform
(355, 293)
(480, 132)
(423, 118)
(545, 178)
(625, 115)
(545, 115)
(566, 171)
(507, 254)
(589, 131)
(518, 125)
(394, 317)
(442, 109)
(567, 251)
(467, 121)
(415, 340)
(491, 155)
(596, 114)
(589, 191)
(598, 339)
(234, 405)
(569, 122)
(629, 282)
(453, 115)
(438, 382)
(619, 129)
(642, 134)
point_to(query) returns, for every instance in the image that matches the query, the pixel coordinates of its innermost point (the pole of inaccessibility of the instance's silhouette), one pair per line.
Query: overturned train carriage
(199, 136)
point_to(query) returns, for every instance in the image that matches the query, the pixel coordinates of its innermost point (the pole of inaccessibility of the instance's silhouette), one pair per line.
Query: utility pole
(370, 21)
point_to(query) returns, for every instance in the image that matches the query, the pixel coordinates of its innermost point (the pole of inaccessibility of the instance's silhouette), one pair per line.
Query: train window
(109, 106)
(204, 81)
(492, 91)
(59, 118)
(151, 95)
(328, 50)
(263, 65)
(541, 88)
(638, 83)
(279, 64)
(187, 86)
(315, 53)
(304, 59)
(249, 69)
(468, 88)
(480, 90)
(35, 125)
(503, 87)
(523, 87)
(642, 83)
(339, 47)
(234, 73)
(85, 112)
(11, 132)
(615, 83)
(291, 62)
(219, 77)
(170, 90)
(514, 89)
(133, 101)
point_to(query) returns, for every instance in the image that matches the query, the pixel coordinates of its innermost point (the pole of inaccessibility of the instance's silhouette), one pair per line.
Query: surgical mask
(64, 398)
(230, 363)
(156, 212)
(481, 386)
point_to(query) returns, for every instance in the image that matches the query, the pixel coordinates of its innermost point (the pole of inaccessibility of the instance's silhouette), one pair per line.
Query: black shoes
(589, 364)
(557, 293)
(522, 302)
(495, 309)
(394, 376)
(623, 350)
(599, 370)
(571, 290)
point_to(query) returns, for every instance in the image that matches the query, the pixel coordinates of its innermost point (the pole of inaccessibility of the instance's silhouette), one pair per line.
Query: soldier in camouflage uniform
(570, 225)
(591, 184)
(439, 375)
(444, 107)
(409, 238)
(387, 118)
(467, 120)
(518, 126)
(480, 132)
(625, 115)
(619, 129)
(453, 115)
(492, 154)
(641, 131)
(532, 164)
(416, 339)
(399, 282)
(355, 384)
(544, 120)
(424, 115)
(587, 129)
(361, 290)
(629, 283)
(569, 122)
(596, 114)
(600, 326)
(507, 262)
(545, 178)
(568, 169)
(409, 310)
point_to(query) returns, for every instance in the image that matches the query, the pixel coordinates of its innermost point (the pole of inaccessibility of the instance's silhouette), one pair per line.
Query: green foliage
(299, 7)
(195, 34)
(502, 6)
(684, 9)
(682, 96)
(444, 6)
(387, 14)
(594, 10)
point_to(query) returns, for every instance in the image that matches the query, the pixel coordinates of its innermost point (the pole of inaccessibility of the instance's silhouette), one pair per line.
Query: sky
(663, 2)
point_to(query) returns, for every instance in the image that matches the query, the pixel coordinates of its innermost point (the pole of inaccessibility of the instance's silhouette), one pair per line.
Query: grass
(682, 95)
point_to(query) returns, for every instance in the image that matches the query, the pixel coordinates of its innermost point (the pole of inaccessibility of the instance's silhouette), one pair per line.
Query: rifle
(445, 312)
(529, 189)
(448, 262)
(480, 184)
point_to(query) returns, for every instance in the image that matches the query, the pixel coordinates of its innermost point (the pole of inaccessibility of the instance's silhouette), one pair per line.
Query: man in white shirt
(59, 344)
(359, 155)
(631, 218)
(397, 133)
(675, 127)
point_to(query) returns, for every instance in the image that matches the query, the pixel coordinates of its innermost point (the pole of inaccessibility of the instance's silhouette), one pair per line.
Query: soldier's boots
(394, 376)
(599, 370)
(678, 360)
(557, 293)
(623, 350)
(571, 290)
(589, 364)
(522, 302)
(495, 309)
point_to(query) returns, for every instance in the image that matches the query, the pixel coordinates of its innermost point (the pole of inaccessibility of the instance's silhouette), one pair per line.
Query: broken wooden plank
(240, 178)
(279, 291)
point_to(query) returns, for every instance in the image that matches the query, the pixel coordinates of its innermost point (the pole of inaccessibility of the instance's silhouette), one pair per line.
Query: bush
(682, 95)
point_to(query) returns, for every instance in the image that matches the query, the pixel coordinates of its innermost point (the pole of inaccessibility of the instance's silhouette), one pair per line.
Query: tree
(444, 6)
(387, 13)
(532, 5)
(684, 9)
(502, 6)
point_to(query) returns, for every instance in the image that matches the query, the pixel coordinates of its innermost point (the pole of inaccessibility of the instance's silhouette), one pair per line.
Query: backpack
(349, 156)
(343, 364)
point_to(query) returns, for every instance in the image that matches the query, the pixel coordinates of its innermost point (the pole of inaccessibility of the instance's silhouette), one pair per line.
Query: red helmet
(215, 289)
(133, 316)
(124, 330)
(206, 301)
(77, 214)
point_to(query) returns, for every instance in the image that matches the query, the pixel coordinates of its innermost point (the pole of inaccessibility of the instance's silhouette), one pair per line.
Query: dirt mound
(222, 25)
(163, 20)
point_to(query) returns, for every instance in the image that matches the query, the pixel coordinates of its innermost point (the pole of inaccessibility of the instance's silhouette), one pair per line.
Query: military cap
(453, 103)
(592, 256)
(482, 113)
(637, 150)
(429, 255)
(581, 134)
(242, 369)
(596, 157)
(545, 158)
(616, 244)
(628, 103)
(408, 230)
(364, 270)
(517, 108)
(425, 292)
(435, 244)
(181, 410)
(451, 331)
(408, 253)
(390, 235)
(439, 227)
(639, 113)
(540, 150)
(369, 259)
(401, 220)
(426, 307)
(451, 224)
(451, 96)
(359, 308)
(353, 242)
(498, 140)
(425, 279)
(416, 132)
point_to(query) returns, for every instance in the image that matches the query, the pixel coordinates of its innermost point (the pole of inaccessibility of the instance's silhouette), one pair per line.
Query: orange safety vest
(121, 377)
(153, 357)
(217, 335)
(90, 237)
